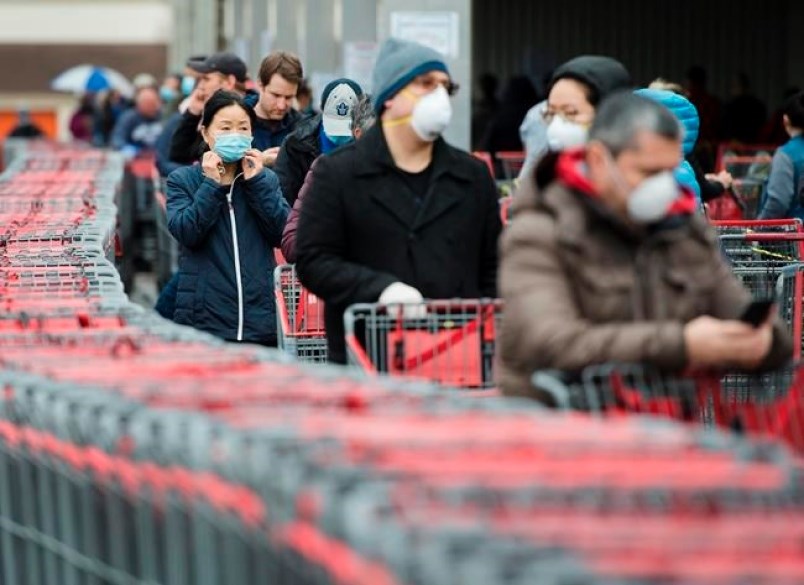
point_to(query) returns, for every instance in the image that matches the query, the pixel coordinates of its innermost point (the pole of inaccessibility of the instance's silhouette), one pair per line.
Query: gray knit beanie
(399, 63)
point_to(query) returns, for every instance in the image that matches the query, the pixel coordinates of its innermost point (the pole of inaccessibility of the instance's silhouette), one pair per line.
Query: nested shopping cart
(300, 317)
(762, 406)
(450, 342)
(759, 250)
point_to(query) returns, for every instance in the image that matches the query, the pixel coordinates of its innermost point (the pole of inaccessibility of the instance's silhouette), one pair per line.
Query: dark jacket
(187, 144)
(135, 130)
(164, 165)
(296, 156)
(581, 288)
(360, 230)
(198, 217)
(292, 226)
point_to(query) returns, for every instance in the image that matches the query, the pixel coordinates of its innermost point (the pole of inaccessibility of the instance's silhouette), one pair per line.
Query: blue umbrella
(91, 78)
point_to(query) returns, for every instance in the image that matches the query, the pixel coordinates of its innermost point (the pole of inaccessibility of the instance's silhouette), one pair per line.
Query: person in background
(25, 127)
(227, 214)
(143, 81)
(502, 132)
(138, 129)
(575, 90)
(784, 193)
(610, 263)
(484, 109)
(279, 78)
(709, 113)
(745, 115)
(687, 116)
(319, 134)
(363, 118)
(109, 106)
(399, 215)
(171, 95)
(224, 71)
(709, 185)
(774, 133)
(83, 118)
(304, 99)
(164, 165)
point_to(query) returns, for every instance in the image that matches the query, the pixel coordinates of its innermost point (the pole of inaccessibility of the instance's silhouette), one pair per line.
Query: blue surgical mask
(168, 94)
(231, 147)
(330, 143)
(187, 84)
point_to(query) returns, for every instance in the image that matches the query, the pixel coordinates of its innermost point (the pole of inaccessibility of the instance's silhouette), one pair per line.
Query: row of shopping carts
(134, 451)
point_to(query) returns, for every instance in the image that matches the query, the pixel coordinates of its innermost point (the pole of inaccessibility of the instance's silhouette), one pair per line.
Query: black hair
(794, 110)
(223, 99)
(219, 100)
(592, 95)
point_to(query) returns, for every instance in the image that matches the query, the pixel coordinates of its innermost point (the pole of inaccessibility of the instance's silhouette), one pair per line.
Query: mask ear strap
(397, 122)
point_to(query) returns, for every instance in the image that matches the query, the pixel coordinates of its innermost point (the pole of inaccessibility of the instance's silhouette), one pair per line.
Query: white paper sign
(358, 62)
(437, 30)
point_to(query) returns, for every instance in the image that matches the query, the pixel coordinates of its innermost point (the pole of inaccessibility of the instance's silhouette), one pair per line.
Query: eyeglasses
(569, 115)
(429, 84)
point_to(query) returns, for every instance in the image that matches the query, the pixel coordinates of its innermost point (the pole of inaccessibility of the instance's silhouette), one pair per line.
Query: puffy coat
(687, 115)
(292, 226)
(212, 294)
(581, 288)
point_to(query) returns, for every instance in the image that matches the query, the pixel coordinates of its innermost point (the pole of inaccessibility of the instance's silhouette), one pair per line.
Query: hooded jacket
(687, 115)
(583, 288)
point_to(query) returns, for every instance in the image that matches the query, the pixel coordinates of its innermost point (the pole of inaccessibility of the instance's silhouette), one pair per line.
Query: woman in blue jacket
(227, 214)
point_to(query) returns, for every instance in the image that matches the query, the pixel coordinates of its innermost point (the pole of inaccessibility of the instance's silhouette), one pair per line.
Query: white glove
(411, 300)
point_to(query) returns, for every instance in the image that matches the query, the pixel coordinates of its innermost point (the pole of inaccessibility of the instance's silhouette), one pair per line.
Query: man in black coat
(399, 215)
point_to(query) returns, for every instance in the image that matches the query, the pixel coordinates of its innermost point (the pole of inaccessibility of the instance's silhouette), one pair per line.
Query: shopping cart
(763, 406)
(511, 163)
(300, 318)
(448, 342)
(759, 251)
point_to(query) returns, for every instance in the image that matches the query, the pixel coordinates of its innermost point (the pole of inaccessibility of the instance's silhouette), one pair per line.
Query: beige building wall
(41, 38)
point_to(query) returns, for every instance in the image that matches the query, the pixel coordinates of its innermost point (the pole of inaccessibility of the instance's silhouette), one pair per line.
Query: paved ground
(145, 291)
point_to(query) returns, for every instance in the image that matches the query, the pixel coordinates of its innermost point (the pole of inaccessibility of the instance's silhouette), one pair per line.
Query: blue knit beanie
(399, 63)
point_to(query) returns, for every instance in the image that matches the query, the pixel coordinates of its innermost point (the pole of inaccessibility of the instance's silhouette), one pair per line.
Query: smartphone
(757, 312)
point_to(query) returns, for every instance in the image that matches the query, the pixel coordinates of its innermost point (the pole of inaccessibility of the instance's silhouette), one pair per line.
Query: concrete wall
(143, 22)
(460, 58)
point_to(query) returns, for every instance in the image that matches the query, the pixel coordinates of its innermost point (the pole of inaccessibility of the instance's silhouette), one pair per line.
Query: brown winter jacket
(582, 288)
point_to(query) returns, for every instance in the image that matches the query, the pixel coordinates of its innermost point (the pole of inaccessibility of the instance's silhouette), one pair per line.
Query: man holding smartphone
(606, 260)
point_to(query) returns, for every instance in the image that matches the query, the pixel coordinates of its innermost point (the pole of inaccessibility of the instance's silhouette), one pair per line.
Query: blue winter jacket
(783, 196)
(685, 112)
(209, 297)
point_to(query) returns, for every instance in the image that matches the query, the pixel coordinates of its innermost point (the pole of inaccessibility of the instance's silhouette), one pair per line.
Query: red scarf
(570, 173)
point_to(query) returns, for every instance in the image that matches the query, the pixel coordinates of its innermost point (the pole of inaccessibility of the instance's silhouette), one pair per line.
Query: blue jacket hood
(682, 108)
